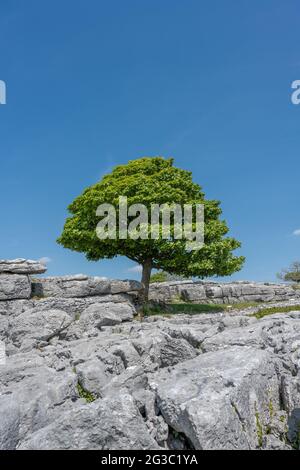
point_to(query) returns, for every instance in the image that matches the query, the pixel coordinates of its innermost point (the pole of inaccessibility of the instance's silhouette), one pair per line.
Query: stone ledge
(22, 266)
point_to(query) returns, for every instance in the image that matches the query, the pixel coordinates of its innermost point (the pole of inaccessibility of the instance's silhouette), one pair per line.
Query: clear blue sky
(94, 83)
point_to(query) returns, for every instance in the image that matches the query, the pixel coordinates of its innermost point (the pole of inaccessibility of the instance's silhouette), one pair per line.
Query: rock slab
(22, 266)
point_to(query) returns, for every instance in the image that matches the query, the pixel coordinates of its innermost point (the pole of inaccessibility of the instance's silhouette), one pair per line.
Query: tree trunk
(147, 268)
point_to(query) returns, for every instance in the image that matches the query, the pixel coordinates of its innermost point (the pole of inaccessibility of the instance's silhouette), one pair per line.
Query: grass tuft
(273, 310)
(193, 309)
(85, 394)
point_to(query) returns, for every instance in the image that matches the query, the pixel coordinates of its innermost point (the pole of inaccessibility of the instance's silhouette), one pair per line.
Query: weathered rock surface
(80, 286)
(31, 328)
(111, 423)
(22, 266)
(209, 381)
(221, 293)
(82, 372)
(217, 398)
(14, 286)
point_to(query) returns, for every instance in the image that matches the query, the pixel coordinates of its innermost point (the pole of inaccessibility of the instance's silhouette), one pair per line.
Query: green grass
(273, 310)
(196, 308)
(85, 394)
(193, 309)
(172, 309)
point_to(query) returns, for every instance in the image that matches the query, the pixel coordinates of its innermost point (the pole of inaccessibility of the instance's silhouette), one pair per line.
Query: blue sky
(91, 84)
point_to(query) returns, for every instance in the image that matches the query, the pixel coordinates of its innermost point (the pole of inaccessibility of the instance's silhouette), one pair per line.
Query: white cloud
(297, 232)
(135, 269)
(45, 260)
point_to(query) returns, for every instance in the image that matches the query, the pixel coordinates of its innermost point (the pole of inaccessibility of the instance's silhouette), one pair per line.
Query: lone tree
(148, 181)
(292, 274)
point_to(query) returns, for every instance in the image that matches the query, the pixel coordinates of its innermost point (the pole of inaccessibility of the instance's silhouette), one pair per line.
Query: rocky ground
(100, 379)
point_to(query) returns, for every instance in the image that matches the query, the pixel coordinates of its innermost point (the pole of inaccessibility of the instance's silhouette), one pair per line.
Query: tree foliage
(152, 180)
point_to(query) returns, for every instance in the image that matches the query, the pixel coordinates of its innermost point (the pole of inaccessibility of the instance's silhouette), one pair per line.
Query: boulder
(105, 314)
(113, 423)
(34, 393)
(220, 400)
(31, 327)
(14, 286)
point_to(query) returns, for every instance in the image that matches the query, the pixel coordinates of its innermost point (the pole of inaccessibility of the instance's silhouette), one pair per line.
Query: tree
(162, 276)
(292, 274)
(147, 181)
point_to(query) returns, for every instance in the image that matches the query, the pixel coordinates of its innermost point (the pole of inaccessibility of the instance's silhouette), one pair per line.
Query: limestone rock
(70, 286)
(9, 423)
(34, 393)
(22, 266)
(14, 286)
(104, 314)
(118, 287)
(34, 327)
(80, 286)
(223, 380)
(220, 400)
(111, 423)
(221, 293)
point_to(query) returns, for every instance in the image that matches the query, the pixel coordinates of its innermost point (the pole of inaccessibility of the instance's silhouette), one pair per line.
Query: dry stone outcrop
(82, 372)
(221, 293)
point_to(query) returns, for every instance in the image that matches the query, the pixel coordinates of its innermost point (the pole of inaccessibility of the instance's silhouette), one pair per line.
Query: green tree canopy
(147, 181)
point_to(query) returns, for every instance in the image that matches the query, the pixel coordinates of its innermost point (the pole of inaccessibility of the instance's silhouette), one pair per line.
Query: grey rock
(22, 266)
(223, 380)
(93, 376)
(277, 333)
(219, 400)
(36, 395)
(158, 349)
(70, 286)
(75, 306)
(34, 327)
(98, 315)
(14, 286)
(118, 287)
(15, 307)
(132, 379)
(9, 423)
(271, 442)
(221, 293)
(81, 286)
(111, 423)
(105, 314)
